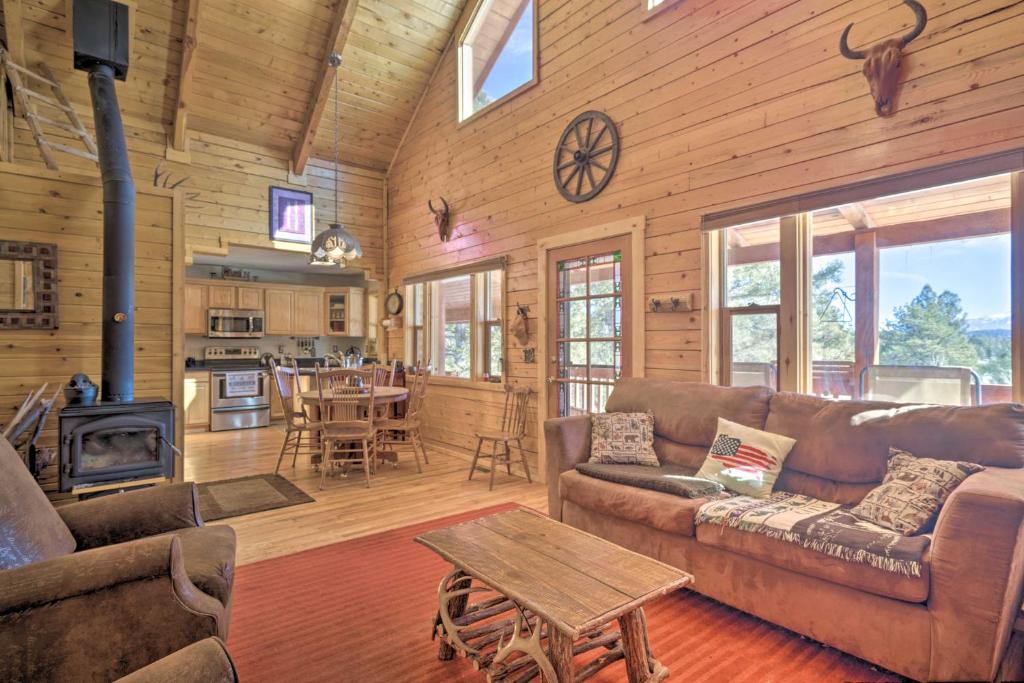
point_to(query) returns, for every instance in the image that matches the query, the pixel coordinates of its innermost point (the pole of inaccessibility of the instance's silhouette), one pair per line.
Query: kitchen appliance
(227, 323)
(239, 388)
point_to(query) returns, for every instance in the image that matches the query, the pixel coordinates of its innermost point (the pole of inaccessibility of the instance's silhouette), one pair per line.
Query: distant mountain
(989, 323)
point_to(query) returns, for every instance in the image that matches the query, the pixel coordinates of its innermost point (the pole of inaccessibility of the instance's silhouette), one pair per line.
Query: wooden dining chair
(384, 375)
(301, 433)
(404, 432)
(347, 433)
(513, 429)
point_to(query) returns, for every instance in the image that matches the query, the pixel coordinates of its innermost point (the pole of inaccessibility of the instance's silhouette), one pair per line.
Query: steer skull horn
(882, 61)
(442, 219)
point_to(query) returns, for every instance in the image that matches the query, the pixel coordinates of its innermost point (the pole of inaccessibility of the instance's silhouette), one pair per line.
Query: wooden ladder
(25, 97)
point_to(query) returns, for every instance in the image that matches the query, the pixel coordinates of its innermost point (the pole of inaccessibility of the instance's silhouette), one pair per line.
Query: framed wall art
(291, 215)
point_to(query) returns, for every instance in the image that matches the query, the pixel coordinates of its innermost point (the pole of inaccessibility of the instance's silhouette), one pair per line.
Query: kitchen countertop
(221, 367)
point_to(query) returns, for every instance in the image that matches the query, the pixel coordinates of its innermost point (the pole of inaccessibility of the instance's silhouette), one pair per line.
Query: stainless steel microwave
(232, 323)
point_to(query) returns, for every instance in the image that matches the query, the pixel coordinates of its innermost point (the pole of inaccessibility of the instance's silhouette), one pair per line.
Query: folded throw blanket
(678, 481)
(821, 526)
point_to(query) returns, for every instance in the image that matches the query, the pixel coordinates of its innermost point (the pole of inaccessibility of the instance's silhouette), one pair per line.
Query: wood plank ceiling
(257, 64)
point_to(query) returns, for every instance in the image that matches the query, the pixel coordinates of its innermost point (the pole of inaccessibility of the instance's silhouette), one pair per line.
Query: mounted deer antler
(442, 219)
(883, 61)
(159, 173)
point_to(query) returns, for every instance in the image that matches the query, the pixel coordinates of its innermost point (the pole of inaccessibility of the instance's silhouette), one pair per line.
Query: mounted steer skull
(442, 219)
(883, 61)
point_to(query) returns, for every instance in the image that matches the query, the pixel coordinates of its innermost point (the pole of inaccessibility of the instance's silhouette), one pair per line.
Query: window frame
(461, 115)
(796, 268)
(650, 12)
(432, 339)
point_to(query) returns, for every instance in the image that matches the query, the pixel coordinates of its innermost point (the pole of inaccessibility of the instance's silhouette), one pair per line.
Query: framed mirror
(28, 286)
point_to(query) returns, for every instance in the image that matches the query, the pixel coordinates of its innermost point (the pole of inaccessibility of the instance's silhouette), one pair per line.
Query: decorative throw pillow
(623, 438)
(745, 460)
(914, 489)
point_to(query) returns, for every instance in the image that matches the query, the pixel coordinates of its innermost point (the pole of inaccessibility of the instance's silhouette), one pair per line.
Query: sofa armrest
(977, 569)
(100, 614)
(207, 661)
(567, 443)
(132, 515)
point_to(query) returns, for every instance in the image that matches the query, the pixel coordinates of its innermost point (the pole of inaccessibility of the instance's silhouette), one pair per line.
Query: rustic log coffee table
(545, 592)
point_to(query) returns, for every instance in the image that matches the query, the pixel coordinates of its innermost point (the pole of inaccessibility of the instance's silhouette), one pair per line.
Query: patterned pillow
(623, 438)
(745, 460)
(913, 491)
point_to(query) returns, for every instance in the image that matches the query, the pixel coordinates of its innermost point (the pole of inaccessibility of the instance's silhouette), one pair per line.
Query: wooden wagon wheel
(586, 156)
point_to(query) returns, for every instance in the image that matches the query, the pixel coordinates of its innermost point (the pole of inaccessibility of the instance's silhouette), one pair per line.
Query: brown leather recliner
(99, 589)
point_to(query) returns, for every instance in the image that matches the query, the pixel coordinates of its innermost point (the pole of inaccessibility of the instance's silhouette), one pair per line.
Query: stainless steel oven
(239, 399)
(234, 323)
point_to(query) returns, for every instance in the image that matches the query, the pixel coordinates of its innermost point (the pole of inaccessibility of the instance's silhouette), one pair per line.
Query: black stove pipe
(118, 238)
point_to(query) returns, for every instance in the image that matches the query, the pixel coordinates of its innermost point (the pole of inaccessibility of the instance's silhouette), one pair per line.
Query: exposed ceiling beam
(189, 43)
(341, 25)
(14, 30)
(857, 216)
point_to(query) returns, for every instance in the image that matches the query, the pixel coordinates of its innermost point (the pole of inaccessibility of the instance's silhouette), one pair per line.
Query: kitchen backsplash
(194, 345)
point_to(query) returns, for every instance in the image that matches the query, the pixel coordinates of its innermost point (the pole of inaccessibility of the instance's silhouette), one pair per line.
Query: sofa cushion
(687, 413)
(745, 460)
(913, 491)
(30, 529)
(209, 553)
(849, 441)
(810, 562)
(622, 438)
(652, 508)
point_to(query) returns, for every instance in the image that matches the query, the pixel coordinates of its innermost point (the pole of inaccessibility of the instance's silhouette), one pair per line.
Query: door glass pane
(606, 274)
(573, 398)
(599, 396)
(752, 264)
(606, 317)
(572, 278)
(755, 350)
(602, 360)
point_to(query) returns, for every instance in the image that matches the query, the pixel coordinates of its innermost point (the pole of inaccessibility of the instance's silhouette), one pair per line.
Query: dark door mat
(246, 495)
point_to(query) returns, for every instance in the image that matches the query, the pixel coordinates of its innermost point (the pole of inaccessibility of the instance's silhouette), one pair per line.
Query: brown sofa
(951, 623)
(204, 662)
(99, 589)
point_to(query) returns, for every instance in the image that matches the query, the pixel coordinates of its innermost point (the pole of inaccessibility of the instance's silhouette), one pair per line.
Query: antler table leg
(641, 666)
(451, 604)
(532, 648)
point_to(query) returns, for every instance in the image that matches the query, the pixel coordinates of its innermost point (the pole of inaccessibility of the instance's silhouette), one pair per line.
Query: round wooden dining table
(381, 396)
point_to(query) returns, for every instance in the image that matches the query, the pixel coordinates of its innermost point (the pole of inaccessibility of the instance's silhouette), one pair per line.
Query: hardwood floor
(345, 508)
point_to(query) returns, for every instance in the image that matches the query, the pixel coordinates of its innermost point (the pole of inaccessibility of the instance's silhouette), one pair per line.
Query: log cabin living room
(511, 340)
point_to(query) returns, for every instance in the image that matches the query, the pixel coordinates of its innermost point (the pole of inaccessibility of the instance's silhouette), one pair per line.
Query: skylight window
(497, 54)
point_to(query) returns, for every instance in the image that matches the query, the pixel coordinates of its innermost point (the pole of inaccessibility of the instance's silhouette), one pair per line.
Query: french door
(589, 303)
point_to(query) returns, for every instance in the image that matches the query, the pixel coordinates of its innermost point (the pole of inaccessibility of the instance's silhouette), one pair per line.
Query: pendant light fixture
(335, 246)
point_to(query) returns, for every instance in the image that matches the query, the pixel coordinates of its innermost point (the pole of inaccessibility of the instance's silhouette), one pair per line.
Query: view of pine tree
(456, 349)
(930, 330)
(832, 328)
(995, 355)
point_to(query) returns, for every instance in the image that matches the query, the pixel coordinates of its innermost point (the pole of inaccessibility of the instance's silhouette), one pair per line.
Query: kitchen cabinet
(250, 298)
(279, 313)
(308, 321)
(196, 303)
(222, 296)
(345, 312)
(197, 399)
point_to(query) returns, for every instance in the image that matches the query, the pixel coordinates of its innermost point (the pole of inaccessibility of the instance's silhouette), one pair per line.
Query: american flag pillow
(745, 460)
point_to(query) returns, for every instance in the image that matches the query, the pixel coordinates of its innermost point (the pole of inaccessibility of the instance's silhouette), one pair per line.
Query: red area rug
(361, 611)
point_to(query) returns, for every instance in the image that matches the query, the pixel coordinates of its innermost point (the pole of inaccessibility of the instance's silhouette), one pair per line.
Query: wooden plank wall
(231, 175)
(66, 210)
(720, 103)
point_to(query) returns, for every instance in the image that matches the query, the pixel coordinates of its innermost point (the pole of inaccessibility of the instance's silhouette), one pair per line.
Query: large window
(497, 53)
(905, 297)
(453, 323)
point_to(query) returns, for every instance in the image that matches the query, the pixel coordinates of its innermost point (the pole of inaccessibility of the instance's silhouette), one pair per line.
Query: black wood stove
(116, 438)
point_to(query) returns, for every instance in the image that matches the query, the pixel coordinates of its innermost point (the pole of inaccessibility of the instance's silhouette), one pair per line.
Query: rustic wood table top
(380, 395)
(573, 580)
